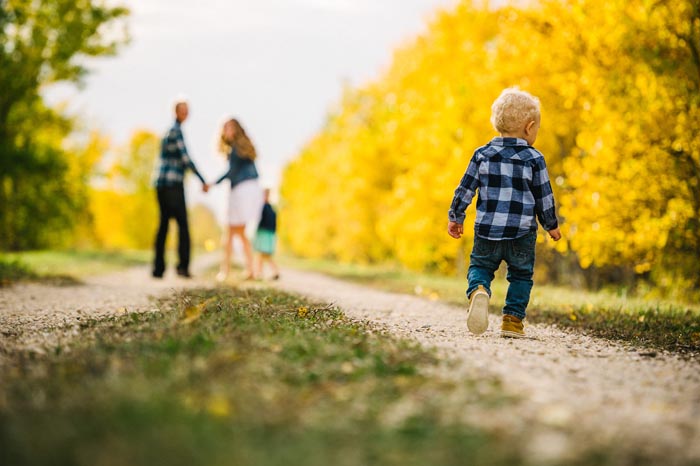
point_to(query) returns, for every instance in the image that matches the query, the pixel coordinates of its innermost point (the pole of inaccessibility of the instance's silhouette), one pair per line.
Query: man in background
(173, 162)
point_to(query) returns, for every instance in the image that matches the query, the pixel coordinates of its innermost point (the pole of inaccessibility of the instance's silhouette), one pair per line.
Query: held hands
(555, 234)
(455, 229)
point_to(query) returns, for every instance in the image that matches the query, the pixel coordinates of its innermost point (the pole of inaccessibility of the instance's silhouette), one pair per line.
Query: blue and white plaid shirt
(174, 159)
(514, 188)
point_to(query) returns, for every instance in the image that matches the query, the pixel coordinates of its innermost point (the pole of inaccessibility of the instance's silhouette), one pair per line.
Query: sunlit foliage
(123, 205)
(43, 180)
(619, 83)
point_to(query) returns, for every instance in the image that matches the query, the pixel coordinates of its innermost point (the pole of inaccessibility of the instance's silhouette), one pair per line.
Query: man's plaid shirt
(514, 188)
(174, 159)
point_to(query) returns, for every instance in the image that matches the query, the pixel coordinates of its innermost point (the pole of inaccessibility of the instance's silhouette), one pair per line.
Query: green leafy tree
(42, 43)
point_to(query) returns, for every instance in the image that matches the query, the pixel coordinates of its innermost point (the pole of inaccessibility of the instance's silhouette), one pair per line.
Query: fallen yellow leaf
(193, 313)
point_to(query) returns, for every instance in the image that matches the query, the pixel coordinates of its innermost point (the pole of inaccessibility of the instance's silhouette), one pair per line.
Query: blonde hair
(241, 142)
(514, 109)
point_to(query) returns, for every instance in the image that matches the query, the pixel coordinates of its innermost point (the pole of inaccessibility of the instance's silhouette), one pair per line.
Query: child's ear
(529, 126)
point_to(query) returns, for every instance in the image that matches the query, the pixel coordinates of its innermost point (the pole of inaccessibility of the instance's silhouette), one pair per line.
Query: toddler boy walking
(514, 190)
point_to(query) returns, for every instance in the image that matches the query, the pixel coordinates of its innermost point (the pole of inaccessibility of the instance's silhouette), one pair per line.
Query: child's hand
(555, 234)
(455, 229)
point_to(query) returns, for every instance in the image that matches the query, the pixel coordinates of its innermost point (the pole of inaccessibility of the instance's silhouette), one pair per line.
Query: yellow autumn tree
(364, 188)
(124, 210)
(619, 83)
(627, 110)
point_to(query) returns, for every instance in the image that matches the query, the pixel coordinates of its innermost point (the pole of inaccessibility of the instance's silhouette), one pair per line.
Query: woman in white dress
(246, 198)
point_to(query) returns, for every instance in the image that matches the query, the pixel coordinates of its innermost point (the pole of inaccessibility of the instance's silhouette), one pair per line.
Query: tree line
(619, 82)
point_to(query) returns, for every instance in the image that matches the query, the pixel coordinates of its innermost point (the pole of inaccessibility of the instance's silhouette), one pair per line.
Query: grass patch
(660, 326)
(12, 270)
(65, 267)
(664, 325)
(240, 377)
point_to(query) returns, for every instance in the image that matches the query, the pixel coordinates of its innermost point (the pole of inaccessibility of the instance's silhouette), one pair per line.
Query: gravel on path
(36, 317)
(577, 391)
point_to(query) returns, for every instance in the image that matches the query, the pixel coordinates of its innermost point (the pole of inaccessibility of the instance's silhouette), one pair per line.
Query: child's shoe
(478, 316)
(512, 327)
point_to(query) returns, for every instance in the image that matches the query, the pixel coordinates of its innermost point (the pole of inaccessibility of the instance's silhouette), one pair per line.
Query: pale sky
(276, 65)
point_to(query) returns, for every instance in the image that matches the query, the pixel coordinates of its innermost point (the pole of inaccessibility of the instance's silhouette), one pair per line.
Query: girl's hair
(513, 109)
(241, 142)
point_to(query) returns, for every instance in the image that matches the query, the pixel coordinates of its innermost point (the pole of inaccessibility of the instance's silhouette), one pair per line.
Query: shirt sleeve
(464, 194)
(186, 160)
(544, 197)
(232, 167)
(223, 177)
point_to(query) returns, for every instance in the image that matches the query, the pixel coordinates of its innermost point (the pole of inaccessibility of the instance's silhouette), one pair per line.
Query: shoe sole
(478, 318)
(509, 334)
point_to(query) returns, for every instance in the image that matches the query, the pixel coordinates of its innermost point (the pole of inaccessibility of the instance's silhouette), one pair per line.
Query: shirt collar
(177, 123)
(499, 141)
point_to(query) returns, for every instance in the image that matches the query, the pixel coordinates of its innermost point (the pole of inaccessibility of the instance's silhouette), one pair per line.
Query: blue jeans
(519, 255)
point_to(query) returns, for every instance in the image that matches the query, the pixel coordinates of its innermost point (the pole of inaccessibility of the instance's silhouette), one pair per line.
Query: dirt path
(577, 392)
(36, 317)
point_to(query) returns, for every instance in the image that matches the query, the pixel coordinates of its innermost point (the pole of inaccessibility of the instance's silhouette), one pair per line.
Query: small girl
(265, 238)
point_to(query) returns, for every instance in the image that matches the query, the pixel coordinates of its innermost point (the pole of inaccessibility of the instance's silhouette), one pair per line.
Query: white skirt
(245, 203)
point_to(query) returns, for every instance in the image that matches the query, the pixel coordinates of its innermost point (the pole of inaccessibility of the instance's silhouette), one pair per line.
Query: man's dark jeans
(171, 201)
(519, 255)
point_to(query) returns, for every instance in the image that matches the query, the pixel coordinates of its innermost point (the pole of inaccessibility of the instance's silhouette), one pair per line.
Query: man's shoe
(478, 316)
(512, 327)
(157, 274)
(184, 273)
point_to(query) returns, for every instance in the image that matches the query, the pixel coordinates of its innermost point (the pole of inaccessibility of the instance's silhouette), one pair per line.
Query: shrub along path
(576, 391)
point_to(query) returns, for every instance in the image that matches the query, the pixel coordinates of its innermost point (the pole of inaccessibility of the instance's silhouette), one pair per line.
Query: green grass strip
(65, 268)
(13, 270)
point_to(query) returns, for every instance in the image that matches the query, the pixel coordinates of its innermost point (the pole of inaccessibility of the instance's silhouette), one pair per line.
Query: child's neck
(519, 135)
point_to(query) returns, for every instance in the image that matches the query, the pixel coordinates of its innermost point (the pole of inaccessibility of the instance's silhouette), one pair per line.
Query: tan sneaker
(478, 316)
(512, 327)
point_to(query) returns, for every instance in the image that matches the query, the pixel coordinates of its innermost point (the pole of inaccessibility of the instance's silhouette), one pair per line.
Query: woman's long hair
(241, 142)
